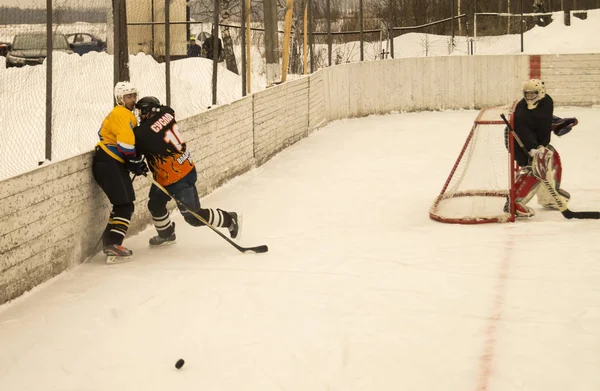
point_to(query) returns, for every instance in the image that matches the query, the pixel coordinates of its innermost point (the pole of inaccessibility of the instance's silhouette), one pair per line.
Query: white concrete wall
(51, 218)
(222, 142)
(428, 83)
(280, 117)
(572, 79)
(42, 216)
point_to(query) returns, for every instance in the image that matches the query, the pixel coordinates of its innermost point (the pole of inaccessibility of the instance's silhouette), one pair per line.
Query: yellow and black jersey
(116, 134)
(160, 140)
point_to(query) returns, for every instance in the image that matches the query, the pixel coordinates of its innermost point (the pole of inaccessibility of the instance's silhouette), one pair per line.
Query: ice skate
(162, 241)
(520, 209)
(117, 254)
(523, 211)
(235, 229)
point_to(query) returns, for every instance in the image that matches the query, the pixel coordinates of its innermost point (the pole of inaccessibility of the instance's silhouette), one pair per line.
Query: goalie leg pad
(526, 186)
(557, 166)
(546, 200)
(554, 175)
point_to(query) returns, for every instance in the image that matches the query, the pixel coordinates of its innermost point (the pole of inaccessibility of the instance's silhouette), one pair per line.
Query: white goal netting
(480, 181)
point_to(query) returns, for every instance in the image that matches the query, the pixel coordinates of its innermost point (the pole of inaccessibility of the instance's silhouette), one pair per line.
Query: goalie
(534, 123)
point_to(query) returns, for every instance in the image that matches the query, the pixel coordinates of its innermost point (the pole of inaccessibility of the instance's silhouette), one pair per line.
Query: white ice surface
(360, 289)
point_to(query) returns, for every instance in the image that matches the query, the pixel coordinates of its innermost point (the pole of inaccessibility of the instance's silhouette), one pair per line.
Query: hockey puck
(179, 363)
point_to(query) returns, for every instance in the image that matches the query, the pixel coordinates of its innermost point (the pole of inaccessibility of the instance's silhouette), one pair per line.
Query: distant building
(151, 39)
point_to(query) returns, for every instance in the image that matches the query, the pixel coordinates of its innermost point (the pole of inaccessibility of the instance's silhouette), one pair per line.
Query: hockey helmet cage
(123, 88)
(148, 105)
(534, 91)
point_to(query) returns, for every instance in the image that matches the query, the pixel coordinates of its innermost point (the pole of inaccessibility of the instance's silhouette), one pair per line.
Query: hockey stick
(257, 249)
(558, 199)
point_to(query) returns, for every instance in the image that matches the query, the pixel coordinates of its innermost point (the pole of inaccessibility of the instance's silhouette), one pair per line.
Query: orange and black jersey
(160, 140)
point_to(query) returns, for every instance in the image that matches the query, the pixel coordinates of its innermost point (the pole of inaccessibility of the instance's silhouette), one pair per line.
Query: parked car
(82, 43)
(4, 47)
(30, 48)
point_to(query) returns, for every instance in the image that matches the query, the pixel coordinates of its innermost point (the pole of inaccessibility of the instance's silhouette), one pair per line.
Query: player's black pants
(114, 180)
(187, 195)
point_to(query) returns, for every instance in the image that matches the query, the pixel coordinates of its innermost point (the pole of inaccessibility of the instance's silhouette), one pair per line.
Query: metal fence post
(452, 25)
(329, 43)
(310, 36)
(121, 48)
(153, 27)
(522, 21)
(243, 37)
(168, 51)
(215, 53)
(474, 18)
(362, 41)
(391, 29)
(48, 80)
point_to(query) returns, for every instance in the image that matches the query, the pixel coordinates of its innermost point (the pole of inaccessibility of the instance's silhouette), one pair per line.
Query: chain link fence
(51, 105)
(52, 102)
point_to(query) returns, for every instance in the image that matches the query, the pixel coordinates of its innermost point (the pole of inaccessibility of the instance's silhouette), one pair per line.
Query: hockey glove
(562, 126)
(534, 151)
(137, 166)
(542, 162)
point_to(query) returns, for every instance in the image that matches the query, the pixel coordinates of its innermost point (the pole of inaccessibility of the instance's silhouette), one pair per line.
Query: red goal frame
(512, 170)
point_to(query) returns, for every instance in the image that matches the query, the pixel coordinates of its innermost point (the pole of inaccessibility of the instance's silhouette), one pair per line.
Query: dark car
(4, 47)
(30, 48)
(82, 43)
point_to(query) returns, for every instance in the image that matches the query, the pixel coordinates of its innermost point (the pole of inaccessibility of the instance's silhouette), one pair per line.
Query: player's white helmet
(123, 88)
(534, 90)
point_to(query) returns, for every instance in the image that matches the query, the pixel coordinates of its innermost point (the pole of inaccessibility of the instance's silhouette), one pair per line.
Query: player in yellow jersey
(114, 157)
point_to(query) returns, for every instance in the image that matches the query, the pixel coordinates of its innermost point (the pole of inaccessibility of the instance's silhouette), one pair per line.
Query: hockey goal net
(480, 187)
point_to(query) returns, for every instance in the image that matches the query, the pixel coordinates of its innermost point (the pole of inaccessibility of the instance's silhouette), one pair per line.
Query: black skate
(117, 254)
(162, 241)
(236, 225)
(520, 210)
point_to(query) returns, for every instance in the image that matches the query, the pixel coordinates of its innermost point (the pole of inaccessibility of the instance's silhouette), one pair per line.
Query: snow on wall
(51, 218)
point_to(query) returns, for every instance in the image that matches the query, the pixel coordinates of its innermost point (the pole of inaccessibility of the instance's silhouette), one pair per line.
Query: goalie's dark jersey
(159, 139)
(533, 127)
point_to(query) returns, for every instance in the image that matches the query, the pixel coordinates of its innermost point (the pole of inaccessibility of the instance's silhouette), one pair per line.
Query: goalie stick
(558, 199)
(257, 249)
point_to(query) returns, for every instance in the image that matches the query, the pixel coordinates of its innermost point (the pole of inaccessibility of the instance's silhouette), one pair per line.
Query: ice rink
(360, 289)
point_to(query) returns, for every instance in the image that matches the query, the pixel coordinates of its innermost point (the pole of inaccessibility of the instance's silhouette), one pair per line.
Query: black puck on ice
(179, 363)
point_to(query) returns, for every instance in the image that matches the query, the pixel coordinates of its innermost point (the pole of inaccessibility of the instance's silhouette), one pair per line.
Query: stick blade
(258, 249)
(569, 214)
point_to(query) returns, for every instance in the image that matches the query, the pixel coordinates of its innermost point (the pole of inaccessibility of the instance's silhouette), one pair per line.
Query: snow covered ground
(360, 289)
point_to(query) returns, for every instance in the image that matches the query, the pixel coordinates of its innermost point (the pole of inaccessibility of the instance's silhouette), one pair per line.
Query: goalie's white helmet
(123, 88)
(534, 90)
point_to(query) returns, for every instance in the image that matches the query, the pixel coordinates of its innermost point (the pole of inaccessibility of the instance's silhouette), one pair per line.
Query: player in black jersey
(158, 138)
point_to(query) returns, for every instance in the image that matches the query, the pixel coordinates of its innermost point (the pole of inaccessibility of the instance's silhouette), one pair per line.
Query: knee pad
(124, 210)
(157, 207)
